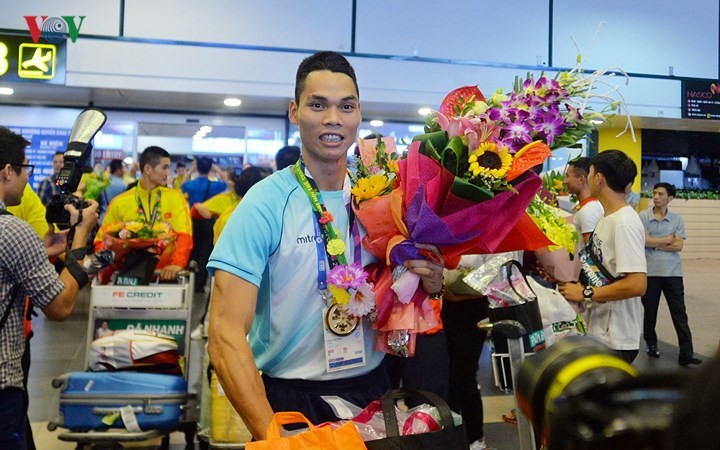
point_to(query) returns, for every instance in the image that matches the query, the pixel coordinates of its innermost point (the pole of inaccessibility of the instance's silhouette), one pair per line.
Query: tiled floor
(60, 347)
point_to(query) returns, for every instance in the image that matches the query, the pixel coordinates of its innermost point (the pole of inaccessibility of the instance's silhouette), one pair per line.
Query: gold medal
(339, 321)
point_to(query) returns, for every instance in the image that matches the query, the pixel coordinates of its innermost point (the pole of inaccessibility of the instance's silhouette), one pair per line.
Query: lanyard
(324, 228)
(155, 209)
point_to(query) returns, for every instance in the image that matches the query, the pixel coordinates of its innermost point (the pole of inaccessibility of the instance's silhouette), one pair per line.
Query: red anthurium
(447, 107)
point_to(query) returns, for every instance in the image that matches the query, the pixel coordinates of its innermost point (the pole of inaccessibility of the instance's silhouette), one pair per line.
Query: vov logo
(54, 29)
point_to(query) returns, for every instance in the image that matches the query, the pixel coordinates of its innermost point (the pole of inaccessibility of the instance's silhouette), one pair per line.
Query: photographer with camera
(31, 275)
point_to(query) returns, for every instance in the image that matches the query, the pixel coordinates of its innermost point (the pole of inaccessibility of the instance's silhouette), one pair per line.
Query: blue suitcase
(154, 401)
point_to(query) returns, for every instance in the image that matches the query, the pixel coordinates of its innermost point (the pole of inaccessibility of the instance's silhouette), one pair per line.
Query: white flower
(362, 300)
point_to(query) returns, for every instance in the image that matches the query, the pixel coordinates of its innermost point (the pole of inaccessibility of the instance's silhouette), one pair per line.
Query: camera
(76, 155)
(579, 394)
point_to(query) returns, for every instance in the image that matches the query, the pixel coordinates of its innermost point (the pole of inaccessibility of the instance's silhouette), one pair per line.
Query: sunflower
(370, 187)
(490, 159)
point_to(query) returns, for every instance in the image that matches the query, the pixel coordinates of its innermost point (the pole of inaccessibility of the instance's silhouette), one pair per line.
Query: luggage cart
(514, 332)
(162, 308)
(217, 415)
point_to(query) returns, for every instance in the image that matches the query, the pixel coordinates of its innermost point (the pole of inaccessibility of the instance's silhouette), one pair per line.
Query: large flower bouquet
(124, 237)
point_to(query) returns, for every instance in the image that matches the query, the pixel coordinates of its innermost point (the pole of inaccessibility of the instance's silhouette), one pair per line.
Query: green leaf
(431, 142)
(453, 156)
(464, 189)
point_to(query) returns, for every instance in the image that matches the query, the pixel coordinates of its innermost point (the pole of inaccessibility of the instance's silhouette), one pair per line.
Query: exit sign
(23, 60)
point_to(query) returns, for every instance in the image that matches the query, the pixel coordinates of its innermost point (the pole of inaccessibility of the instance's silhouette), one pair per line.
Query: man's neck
(146, 184)
(584, 194)
(612, 201)
(660, 210)
(328, 176)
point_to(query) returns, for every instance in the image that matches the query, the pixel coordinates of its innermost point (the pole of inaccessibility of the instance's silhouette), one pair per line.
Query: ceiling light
(424, 111)
(6, 91)
(232, 102)
(376, 123)
(206, 129)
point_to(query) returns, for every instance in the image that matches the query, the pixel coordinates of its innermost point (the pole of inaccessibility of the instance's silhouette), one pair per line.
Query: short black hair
(180, 165)
(617, 168)
(286, 156)
(12, 149)
(204, 164)
(581, 164)
(152, 156)
(331, 61)
(58, 153)
(669, 188)
(248, 177)
(115, 165)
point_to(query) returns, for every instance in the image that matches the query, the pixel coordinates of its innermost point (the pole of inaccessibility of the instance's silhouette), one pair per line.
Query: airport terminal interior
(58, 348)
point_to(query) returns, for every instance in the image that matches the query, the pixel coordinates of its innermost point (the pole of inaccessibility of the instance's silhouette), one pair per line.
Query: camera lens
(571, 366)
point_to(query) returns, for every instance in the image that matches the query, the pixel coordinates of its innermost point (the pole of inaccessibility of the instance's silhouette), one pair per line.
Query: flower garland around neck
(346, 282)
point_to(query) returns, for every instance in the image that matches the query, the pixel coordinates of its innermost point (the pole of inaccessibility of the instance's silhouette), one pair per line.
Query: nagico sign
(54, 29)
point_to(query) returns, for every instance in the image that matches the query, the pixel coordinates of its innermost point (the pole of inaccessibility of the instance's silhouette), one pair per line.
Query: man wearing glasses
(32, 276)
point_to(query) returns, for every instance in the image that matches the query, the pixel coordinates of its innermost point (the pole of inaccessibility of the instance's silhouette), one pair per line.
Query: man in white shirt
(589, 209)
(618, 253)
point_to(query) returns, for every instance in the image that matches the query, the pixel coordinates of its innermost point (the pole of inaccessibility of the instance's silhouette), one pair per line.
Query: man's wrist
(76, 270)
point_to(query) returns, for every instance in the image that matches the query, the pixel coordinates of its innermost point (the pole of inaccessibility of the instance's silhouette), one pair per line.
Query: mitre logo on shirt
(309, 239)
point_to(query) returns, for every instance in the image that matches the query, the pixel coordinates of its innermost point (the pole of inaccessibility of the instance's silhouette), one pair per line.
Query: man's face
(57, 163)
(157, 175)
(180, 171)
(661, 197)
(574, 182)
(593, 182)
(328, 116)
(16, 185)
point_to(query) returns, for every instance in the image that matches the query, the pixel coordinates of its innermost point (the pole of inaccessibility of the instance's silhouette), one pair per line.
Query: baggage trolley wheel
(58, 383)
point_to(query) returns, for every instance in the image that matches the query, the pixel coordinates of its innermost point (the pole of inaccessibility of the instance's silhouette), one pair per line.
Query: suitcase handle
(147, 409)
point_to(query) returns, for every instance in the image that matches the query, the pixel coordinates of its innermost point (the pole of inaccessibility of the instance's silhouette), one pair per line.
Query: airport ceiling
(183, 102)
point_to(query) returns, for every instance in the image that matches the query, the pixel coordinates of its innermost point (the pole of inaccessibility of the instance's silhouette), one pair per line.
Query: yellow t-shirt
(220, 223)
(218, 204)
(32, 211)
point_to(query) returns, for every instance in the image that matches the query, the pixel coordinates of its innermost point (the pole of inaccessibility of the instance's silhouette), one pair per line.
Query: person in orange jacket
(151, 202)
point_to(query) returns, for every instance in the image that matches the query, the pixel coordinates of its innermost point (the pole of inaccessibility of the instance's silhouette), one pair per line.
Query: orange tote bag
(345, 437)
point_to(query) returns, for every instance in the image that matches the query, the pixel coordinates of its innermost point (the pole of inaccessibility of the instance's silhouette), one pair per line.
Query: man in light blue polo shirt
(664, 235)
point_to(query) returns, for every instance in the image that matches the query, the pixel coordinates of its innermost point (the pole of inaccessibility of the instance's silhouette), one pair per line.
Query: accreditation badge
(345, 345)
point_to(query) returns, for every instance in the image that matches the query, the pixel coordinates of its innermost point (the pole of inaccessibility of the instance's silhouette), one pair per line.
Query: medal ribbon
(155, 210)
(326, 230)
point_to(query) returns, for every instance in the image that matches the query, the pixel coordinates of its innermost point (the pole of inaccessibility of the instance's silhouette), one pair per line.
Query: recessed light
(6, 91)
(376, 123)
(232, 102)
(206, 128)
(424, 111)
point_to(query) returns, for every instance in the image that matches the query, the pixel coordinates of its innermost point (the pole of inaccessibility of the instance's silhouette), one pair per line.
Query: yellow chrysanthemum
(340, 295)
(114, 228)
(490, 159)
(160, 228)
(335, 247)
(370, 187)
(133, 226)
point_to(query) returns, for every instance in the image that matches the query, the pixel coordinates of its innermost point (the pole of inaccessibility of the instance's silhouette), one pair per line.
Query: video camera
(579, 394)
(78, 150)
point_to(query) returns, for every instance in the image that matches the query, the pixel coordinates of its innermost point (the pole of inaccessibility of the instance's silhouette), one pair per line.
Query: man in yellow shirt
(151, 202)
